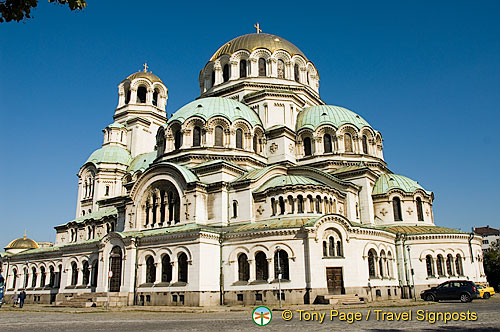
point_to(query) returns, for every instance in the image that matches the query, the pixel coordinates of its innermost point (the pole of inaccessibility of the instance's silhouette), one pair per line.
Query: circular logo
(262, 316)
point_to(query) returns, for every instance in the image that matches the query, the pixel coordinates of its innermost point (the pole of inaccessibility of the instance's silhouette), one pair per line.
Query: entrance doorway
(335, 281)
(116, 268)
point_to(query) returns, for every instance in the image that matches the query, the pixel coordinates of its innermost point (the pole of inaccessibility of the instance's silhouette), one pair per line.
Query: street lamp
(412, 274)
(279, 272)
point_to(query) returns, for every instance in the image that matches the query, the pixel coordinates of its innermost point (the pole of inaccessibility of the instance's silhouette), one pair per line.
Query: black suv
(462, 290)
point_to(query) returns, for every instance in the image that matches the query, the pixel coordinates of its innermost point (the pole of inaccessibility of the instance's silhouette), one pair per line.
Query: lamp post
(279, 272)
(412, 274)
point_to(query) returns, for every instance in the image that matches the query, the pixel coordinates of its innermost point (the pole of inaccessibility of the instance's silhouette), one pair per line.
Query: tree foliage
(17, 10)
(492, 264)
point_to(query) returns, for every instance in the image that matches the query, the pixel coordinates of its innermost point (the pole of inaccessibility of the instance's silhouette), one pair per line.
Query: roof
(315, 116)
(254, 41)
(421, 230)
(387, 182)
(279, 223)
(486, 230)
(141, 162)
(112, 154)
(253, 174)
(96, 215)
(287, 180)
(22, 243)
(116, 125)
(207, 108)
(147, 75)
(188, 175)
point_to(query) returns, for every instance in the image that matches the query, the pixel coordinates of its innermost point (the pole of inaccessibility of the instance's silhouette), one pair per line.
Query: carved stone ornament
(273, 148)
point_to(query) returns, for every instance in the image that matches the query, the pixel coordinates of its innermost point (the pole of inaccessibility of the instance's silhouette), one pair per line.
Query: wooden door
(334, 280)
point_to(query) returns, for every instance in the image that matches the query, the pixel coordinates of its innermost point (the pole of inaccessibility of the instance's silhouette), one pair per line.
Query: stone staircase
(84, 300)
(345, 299)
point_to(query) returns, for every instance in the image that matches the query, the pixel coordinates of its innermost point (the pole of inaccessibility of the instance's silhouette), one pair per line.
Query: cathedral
(255, 191)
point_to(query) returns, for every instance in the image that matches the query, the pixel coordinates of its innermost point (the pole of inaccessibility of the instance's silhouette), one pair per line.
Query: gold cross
(257, 26)
(145, 65)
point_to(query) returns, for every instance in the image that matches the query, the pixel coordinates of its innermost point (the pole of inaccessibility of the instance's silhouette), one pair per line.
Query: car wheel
(430, 298)
(486, 295)
(465, 298)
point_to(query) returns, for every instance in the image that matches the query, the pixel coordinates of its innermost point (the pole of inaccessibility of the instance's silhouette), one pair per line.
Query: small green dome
(207, 108)
(315, 116)
(287, 180)
(387, 182)
(142, 162)
(110, 154)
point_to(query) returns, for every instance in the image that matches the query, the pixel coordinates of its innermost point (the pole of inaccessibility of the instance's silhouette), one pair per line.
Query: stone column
(235, 73)
(218, 74)
(251, 266)
(158, 273)
(270, 269)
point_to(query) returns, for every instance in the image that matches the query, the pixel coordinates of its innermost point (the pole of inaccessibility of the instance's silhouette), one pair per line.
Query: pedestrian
(15, 297)
(22, 297)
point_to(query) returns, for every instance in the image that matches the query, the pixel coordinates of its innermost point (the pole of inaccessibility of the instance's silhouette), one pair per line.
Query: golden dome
(22, 243)
(147, 75)
(254, 41)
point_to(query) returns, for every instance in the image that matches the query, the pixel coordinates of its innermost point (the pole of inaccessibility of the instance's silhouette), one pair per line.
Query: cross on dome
(145, 65)
(257, 26)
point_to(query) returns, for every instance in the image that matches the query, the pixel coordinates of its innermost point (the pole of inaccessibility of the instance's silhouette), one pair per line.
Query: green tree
(492, 264)
(17, 10)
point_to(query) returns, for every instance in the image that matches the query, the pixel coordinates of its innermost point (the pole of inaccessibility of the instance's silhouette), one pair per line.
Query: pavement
(401, 315)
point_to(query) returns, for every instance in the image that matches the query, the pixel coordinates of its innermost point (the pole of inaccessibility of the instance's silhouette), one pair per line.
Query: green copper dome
(387, 182)
(315, 116)
(141, 162)
(111, 154)
(287, 180)
(207, 108)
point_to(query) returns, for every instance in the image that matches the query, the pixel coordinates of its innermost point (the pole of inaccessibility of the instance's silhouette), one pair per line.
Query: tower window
(347, 143)
(178, 139)
(396, 206)
(327, 143)
(225, 72)
(262, 67)
(296, 73)
(307, 146)
(219, 136)
(420, 213)
(155, 97)
(364, 142)
(213, 78)
(107, 191)
(243, 68)
(196, 136)
(281, 69)
(141, 94)
(239, 138)
(235, 209)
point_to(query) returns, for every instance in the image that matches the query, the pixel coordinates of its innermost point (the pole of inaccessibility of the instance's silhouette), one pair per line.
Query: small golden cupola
(21, 244)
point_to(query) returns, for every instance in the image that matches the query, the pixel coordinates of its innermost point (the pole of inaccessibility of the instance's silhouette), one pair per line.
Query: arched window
(33, 277)
(347, 142)
(243, 68)
(339, 248)
(396, 207)
(282, 205)
(300, 204)
(150, 270)
(261, 266)
(225, 72)
(141, 94)
(155, 97)
(291, 204)
(26, 278)
(325, 249)
(440, 263)
(458, 265)
(371, 264)
(262, 67)
(183, 267)
(86, 273)
(166, 269)
(307, 146)
(311, 203)
(52, 276)
(235, 209)
(116, 267)
(327, 143)
(14, 278)
(449, 265)
(196, 136)
(318, 204)
(331, 246)
(127, 92)
(420, 212)
(243, 268)
(381, 264)
(74, 274)
(389, 264)
(107, 191)
(281, 265)
(219, 136)
(59, 275)
(95, 273)
(364, 142)
(255, 144)
(296, 73)
(239, 138)
(177, 139)
(42, 276)
(213, 78)
(281, 68)
(429, 266)
(273, 206)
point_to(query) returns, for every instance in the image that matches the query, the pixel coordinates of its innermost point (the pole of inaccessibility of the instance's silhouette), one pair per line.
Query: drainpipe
(471, 237)
(221, 273)
(135, 271)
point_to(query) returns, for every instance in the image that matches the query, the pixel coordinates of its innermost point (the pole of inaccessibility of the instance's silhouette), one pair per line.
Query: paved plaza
(44, 318)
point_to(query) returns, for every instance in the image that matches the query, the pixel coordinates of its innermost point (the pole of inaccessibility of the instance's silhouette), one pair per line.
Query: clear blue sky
(426, 74)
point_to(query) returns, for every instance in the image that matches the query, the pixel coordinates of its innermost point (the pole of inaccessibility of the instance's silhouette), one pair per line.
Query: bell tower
(141, 109)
